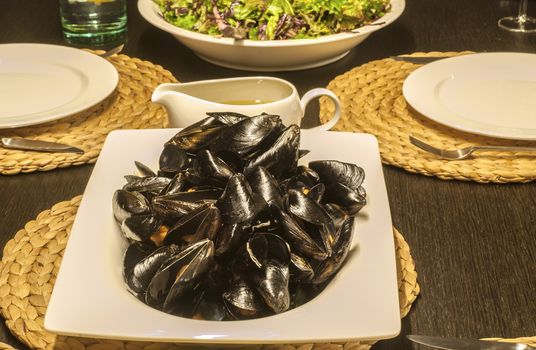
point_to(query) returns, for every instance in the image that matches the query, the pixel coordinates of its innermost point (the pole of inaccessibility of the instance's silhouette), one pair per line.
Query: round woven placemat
(372, 102)
(128, 107)
(31, 262)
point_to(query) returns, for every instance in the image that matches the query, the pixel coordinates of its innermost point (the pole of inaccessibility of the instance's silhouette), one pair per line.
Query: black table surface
(474, 244)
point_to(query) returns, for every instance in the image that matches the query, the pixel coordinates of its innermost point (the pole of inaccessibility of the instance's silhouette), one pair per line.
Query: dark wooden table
(474, 244)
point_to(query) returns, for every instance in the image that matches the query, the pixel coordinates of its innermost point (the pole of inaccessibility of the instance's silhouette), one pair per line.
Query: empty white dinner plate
(41, 83)
(492, 94)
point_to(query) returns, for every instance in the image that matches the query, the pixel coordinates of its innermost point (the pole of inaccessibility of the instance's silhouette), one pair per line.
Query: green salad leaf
(272, 19)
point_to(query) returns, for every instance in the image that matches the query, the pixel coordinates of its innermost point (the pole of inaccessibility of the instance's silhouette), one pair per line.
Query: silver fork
(463, 153)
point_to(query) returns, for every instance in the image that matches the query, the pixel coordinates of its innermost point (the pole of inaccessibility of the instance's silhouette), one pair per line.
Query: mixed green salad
(272, 19)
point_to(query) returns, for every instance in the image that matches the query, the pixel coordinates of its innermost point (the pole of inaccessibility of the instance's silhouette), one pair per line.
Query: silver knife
(36, 145)
(418, 59)
(465, 344)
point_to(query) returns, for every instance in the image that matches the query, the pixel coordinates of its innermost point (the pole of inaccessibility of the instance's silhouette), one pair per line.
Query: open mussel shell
(208, 169)
(270, 256)
(236, 204)
(327, 268)
(303, 178)
(298, 238)
(126, 204)
(135, 252)
(316, 192)
(140, 272)
(200, 223)
(177, 275)
(312, 214)
(243, 302)
(177, 184)
(331, 171)
(282, 156)
(198, 135)
(300, 269)
(151, 186)
(337, 214)
(173, 160)
(246, 136)
(350, 201)
(140, 227)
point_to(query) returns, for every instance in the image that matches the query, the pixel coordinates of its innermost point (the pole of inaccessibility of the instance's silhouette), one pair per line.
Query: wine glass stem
(522, 16)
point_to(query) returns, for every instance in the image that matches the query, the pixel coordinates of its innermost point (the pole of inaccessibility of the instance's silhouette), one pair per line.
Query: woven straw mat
(128, 107)
(31, 262)
(372, 102)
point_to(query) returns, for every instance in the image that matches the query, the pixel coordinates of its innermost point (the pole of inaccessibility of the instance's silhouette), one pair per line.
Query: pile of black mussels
(230, 226)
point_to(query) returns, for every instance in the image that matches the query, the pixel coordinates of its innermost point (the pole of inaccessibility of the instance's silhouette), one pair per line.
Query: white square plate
(90, 298)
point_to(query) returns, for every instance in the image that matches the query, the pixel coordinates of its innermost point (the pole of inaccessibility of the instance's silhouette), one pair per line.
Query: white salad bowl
(269, 55)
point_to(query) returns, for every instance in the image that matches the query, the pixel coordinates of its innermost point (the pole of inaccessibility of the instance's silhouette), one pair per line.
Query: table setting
(315, 227)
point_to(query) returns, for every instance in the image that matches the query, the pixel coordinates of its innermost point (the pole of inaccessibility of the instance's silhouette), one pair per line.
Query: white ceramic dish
(90, 298)
(492, 94)
(41, 83)
(272, 55)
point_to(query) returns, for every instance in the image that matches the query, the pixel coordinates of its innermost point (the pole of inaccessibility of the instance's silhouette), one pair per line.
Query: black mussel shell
(282, 156)
(177, 184)
(305, 175)
(209, 305)
(331, 265)
(179, 272)
(247, 135)
(303, 153)
(316, 192)
(178, 204)
(298, 238)
(303, 207)
(227, 118)
(264, 184)
(331, 171)
(270, 254)
(236, 204)
(126, 204)
(243, 302)
(188, 268)
(312, 214)
(170, 209)
(140, 227)
(337, 214)
(348, 200)
(230, 237)
(301, 270)
(302, 293)
(198, 135)
(233, 160)
(209, 170)
(200, 223)
(173, 160)
(135, 252)
(151, 185)
(144, 170)
(139, 277)
(130, 178)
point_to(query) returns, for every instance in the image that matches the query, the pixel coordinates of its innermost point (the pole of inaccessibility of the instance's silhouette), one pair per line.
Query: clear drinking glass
(521, 22)
(94, 23)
